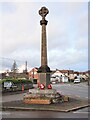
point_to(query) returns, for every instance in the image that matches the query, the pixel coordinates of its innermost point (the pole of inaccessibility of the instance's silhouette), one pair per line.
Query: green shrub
(16, 81)
(17, 84)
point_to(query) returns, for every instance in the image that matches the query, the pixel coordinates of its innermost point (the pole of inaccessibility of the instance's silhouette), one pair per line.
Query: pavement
(72, 105)
(13, 92)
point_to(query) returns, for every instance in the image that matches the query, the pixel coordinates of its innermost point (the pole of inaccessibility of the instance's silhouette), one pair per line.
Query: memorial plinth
(45, 96)
(44, 78)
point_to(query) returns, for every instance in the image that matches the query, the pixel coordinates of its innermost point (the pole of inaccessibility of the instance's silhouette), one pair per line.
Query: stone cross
(44, 70)
(44, 67)
(43, 12)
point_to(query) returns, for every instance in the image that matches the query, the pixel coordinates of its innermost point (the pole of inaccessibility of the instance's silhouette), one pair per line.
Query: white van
(77, 80)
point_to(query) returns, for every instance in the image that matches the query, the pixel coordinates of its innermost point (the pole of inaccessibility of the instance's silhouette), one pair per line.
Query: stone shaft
(44, 70)
(43, 47)
(44, 64)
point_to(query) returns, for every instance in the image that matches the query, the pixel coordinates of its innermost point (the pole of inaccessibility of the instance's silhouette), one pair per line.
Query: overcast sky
(67, 34)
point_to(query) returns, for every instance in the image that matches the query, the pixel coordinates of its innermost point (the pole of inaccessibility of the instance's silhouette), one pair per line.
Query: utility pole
(25, 72)
(26, 66)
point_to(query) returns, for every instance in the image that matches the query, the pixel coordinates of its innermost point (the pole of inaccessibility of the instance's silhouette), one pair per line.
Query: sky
(67, 35)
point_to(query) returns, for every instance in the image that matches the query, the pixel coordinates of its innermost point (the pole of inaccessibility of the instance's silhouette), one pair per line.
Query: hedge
(16, 81)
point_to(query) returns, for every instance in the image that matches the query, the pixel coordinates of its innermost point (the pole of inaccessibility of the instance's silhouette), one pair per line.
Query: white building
(58, 76)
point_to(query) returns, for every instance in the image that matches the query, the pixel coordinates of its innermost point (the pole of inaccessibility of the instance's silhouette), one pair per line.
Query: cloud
(21, 68)
(18, 28)
(66, 33)
(69, 57)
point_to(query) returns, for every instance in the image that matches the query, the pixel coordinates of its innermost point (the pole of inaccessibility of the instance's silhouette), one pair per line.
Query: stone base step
(37, 101)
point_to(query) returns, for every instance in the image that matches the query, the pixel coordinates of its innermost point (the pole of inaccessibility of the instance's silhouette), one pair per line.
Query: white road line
(82, 112)
(4, 113)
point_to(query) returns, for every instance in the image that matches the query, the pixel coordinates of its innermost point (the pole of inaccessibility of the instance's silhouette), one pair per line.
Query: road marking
(4, 113)
(82, 112)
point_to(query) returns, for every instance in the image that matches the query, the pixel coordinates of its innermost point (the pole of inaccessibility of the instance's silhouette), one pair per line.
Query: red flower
(42, 86)
(49, 86)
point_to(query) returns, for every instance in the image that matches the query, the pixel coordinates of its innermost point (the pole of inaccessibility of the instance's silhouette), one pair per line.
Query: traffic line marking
(4, 113)
(82, 112)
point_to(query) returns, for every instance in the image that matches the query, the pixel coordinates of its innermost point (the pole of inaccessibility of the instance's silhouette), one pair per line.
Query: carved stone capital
(43, 22)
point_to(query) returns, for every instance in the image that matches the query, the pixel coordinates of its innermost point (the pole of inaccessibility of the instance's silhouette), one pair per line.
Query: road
(76, 90)
(45, 114)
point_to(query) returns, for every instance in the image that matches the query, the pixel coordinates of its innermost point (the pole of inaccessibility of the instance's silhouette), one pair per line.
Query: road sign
(7, 84)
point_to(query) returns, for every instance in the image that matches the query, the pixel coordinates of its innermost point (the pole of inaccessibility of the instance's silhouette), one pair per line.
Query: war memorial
(44, 94)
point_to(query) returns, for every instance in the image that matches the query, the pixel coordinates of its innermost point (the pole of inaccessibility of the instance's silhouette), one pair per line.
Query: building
(14, 75)
(33, 74)
(59, 76)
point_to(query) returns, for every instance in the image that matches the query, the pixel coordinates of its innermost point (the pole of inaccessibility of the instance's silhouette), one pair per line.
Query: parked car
(53, 82)
(77, 81)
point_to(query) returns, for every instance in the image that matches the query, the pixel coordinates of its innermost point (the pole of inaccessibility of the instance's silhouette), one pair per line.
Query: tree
(14, 69)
